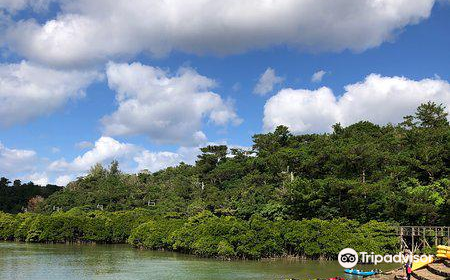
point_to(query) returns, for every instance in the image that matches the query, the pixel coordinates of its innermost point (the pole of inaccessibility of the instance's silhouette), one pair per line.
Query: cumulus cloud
(39, 178)
(28, 166)
(318, 76)
(105, 150)
(22, 164)
(168, 108)
(63, 180)
(13, 161)
(267, 81)
(28, 91)
(13, 6)
(156, 161)
(132, 158)
(377, 99)
(87, 31)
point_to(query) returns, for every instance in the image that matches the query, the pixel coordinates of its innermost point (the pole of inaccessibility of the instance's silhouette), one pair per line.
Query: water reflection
(71, 261)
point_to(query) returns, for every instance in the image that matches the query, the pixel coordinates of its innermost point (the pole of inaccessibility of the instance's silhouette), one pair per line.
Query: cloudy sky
(147, 82)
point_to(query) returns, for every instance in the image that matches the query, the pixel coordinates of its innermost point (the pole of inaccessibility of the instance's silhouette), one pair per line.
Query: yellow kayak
(419, 264)
(443, 252)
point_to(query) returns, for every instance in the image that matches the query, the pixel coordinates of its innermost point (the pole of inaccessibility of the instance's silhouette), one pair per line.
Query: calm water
(75, 262)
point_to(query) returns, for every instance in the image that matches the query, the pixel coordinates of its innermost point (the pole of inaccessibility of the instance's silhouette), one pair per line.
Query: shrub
(8, 223)
(204, 234)
(154, 234)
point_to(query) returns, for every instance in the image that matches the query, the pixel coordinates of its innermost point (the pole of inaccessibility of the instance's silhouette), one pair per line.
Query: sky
(148, 82)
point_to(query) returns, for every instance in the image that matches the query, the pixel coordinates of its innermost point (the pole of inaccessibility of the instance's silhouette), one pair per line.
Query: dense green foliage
(75, 225)
(361, 172)
(16, 196)
(306, 195)
(208, 235)
(203, 234)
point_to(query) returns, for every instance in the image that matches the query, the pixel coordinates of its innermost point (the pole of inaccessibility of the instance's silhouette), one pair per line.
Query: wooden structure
(415, 238)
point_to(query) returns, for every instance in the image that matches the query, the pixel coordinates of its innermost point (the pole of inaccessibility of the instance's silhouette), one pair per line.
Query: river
(107, 262)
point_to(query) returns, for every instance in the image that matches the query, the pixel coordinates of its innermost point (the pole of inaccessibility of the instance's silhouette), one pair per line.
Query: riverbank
(204, 234)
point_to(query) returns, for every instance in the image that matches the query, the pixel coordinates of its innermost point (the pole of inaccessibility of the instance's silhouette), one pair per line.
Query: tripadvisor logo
(348, 258)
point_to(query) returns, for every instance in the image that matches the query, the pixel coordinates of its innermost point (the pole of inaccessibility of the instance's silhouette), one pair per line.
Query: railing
(419, 237)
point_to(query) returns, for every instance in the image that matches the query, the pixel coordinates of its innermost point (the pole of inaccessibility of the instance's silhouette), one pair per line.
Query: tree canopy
(364, 172)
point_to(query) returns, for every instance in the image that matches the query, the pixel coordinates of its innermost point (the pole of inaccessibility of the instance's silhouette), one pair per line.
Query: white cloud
(27, 166)
(318, 76)
(267, 81)
(158, 160)
(87, 31)
(13, 161)
(105, 150)
(13, 6)
(167, 108)
(132, 158)
(28, 91)
(377, 99)
(38, 178)
(22, 164)
(154, 161)
(63, 180)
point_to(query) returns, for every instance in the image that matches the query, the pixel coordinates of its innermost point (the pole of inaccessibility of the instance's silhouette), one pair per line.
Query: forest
(305, 195)
(16, 197)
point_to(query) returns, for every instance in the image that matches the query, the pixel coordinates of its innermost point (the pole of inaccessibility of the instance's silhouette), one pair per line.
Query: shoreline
(128, 246)
(93, 243)
(202, 235)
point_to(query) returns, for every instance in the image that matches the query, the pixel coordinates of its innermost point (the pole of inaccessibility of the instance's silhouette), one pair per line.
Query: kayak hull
(359, 273)
(419, 264)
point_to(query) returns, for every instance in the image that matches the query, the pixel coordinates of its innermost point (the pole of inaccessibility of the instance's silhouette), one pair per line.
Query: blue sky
(84, 82)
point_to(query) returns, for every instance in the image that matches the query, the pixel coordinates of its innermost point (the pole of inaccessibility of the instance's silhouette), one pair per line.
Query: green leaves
(425, 203)
(154, 234)
(363, 171)
(204, 234)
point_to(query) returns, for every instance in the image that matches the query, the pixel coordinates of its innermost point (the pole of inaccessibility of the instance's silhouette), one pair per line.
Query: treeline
(16, 197)
(203, 234)
(362, 172)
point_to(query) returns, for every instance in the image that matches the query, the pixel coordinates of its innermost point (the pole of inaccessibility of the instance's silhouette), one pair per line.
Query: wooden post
(440, 234)
(401, 238)
(448, 236)
(436, 237)
(424, 237)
